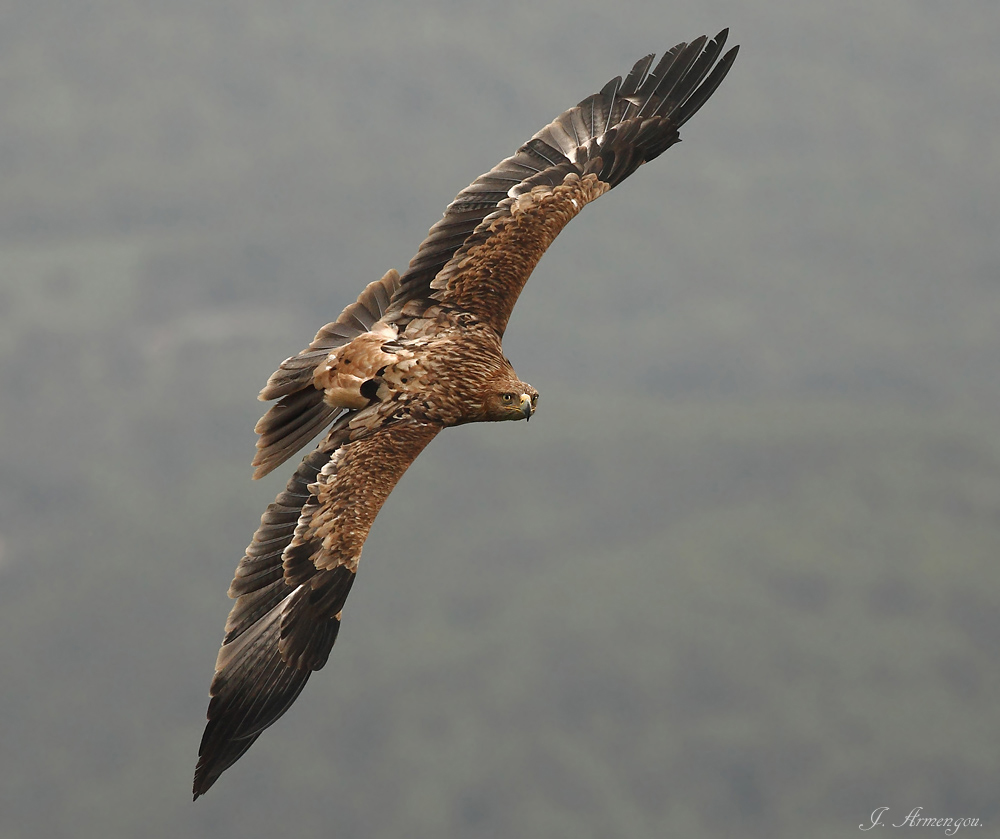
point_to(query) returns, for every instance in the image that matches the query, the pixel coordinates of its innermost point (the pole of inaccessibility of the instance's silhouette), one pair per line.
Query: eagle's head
(510, 399)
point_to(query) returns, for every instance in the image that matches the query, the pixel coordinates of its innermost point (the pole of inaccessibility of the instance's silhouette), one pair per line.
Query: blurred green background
(740, 576)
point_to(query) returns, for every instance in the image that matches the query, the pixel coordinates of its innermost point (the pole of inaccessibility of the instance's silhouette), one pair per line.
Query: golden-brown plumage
(416, 353)
(489, 277)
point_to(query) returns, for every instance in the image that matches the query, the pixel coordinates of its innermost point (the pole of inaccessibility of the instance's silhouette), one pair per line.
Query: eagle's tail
(301, 412)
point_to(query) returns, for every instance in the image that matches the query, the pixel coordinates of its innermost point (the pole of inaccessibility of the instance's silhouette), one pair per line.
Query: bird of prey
(416, 353)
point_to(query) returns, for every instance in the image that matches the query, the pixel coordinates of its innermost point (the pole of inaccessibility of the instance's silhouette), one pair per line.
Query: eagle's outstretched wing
(480, 254)
(294, 579)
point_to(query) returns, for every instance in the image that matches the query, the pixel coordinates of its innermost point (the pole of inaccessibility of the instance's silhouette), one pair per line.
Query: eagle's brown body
(415, 354)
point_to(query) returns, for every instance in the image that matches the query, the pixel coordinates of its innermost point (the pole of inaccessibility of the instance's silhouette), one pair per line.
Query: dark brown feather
(248, 694)
(294, 578)
(610, 133)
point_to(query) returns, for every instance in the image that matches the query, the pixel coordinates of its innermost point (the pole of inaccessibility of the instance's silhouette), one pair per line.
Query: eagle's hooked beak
(526, 408)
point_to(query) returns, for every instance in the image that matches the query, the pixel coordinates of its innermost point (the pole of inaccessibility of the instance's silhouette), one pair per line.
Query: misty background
(740, 576)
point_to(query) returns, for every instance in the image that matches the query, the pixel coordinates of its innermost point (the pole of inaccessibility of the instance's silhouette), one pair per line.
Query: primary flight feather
(416, 353)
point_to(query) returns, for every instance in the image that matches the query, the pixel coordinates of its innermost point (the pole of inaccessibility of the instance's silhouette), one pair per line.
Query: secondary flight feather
(415, 354)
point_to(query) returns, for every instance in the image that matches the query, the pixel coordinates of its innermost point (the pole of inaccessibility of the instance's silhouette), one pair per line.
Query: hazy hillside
(739, 577)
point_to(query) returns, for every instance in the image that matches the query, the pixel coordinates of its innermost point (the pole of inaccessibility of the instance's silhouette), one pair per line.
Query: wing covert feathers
(301, 412)
(487, 277)
(609, 134)
(322, 556)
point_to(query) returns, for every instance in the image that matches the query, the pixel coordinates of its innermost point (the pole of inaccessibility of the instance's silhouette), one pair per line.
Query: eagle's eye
(507, 398)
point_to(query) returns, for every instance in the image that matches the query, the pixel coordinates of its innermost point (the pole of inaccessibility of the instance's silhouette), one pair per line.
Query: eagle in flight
(416, 353)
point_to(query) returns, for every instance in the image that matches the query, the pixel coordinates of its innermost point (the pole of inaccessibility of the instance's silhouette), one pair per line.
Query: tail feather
(290, 425)
(301, 412)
